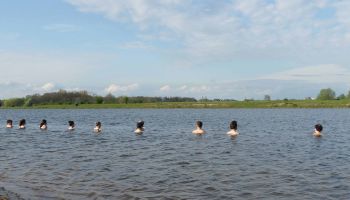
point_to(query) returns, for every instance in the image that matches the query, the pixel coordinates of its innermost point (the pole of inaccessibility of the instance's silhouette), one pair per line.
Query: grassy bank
(211, 104)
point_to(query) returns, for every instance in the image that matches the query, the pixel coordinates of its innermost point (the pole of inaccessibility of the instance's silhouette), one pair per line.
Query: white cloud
(184, 87)
(47, 87)
(37, 68)
(63, 28)
(189, 90)
(137, 45)
(318, 74)
(72, 89)
(342, 12)
(113, 88)
(199, 89)
(294, 83)
(9, 36)
(165, 88)
(21, 89)
(229, 29)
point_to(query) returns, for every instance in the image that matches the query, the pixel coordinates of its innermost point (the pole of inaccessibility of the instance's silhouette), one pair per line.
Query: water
(274, 157)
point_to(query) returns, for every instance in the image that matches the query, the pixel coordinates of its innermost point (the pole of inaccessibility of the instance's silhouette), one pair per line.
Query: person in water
(22, 124)
(43, 124)
(318, 130)
(71, 125)
(233, 129)
(9, 123)
(198, 130)
(98, 128)
(139, 127)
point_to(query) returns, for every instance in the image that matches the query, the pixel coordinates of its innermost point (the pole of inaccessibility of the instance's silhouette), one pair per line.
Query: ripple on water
(274, 157)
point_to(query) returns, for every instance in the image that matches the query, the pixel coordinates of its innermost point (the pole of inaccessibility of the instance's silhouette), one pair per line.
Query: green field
(210, 104)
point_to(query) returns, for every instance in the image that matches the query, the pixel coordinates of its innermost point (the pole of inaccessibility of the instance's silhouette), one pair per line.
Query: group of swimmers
(140, 127)
(71, 125)
(233, 129)
(199, 128)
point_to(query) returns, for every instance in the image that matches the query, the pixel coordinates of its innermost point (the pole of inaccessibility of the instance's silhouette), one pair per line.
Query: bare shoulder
(317, 134)
(199, 132)
(232, 133)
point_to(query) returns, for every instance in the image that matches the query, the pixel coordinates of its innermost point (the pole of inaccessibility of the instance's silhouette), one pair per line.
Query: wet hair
(98, 124)
(140, 124)
(71, 123)
(43, 122)
(9, 121)
(319, 127)
(233, 125)
(199, 124)
(22, 122)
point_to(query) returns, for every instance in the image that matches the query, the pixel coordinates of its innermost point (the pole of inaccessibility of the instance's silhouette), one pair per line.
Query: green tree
(341, 97)
(267, 97)
(99, 99)
(109, 98)
(14, 102)
(326, 94)
(28, 102)
(77, 101)
(125, 100)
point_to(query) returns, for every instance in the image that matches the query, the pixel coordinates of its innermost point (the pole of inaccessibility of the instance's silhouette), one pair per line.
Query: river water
(274, 157)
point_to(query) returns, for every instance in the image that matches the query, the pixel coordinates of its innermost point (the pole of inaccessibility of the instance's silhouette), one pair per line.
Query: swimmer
(98, 128)
(71, 125)
(9, 123)
(43, 124)
(22, 124)
(318, 130)
(139, 127)
(198, 130)
(233, 129)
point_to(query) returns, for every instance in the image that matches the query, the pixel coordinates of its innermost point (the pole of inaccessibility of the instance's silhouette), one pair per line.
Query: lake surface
(274, 157)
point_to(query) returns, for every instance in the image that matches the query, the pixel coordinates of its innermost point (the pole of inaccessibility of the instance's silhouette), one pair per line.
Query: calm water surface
(274, 157)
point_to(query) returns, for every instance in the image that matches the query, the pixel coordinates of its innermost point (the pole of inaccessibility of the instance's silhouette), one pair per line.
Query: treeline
(63, 97)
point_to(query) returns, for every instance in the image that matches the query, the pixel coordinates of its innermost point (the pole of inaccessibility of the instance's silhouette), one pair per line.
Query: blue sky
(218, 49)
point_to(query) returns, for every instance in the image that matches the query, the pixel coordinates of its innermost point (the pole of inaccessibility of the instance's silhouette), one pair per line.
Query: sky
(232, 49)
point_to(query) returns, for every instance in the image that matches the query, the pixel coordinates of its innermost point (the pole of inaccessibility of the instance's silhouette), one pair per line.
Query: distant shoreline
(202, 105)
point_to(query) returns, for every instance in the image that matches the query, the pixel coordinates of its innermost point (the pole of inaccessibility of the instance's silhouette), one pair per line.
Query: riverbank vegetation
(82, 99)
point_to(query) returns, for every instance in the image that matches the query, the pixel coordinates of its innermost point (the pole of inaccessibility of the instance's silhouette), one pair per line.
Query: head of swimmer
(43, 123)
(318, 127)
(233, 125)
(98, 124)
(71, 124)
(199, 124)
(140, 124)
(22, 122)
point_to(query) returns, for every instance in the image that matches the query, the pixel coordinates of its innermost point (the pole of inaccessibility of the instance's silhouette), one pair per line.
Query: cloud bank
(121, 89)
(211, 30)
(226, 49)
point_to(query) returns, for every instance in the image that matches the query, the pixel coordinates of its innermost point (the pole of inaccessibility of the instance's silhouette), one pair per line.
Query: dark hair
(199, 124)
(140, 124)
(9, 121)
(98, 124)
(22, 122)
(43, 122)
(233, 125)
(71, 123)
(319, 127)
